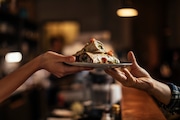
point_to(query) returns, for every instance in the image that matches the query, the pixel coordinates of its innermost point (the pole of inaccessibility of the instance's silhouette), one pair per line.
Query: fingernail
(71, 59)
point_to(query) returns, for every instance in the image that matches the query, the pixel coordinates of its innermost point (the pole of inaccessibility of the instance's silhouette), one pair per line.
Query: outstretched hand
(136, 77)
(55, 63)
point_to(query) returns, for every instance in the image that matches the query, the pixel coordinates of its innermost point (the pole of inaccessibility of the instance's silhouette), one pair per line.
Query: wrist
(147, 84)
(152, 87)
(38, 62)
(42, 60)
(160, 91)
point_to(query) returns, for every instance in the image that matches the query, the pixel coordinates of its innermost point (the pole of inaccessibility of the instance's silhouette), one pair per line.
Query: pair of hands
(136, 77)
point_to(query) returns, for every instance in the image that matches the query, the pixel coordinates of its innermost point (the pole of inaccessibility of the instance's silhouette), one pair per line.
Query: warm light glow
(68, 29)
(13, 57)
(127, 12)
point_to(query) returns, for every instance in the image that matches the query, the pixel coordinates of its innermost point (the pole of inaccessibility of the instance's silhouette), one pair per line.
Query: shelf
(15, 30)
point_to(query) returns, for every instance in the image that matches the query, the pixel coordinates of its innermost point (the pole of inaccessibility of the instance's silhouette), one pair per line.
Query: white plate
(102, 65)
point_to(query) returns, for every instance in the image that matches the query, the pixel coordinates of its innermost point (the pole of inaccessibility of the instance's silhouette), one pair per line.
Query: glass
(100, 89)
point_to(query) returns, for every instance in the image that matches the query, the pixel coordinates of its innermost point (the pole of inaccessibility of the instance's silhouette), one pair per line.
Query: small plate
(102, 65)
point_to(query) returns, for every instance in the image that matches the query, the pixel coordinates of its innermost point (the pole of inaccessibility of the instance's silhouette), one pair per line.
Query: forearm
(12, 81)
(161, 92)
(50, 61)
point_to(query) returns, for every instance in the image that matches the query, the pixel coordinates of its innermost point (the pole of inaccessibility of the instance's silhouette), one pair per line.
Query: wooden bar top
(138, 105)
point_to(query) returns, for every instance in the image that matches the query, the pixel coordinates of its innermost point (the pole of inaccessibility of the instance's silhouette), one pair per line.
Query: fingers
(116, 74)
(113, 72)
(127, 74)
(72, 69)
(66, 70)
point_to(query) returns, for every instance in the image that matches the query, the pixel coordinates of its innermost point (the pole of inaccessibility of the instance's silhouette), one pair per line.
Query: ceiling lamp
(126, 9)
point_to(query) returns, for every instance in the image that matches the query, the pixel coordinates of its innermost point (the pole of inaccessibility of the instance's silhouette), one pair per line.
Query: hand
(54, 63)
(136, 77)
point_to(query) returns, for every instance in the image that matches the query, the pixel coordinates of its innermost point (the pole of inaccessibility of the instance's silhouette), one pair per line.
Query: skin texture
(51, 61)
(139, 78)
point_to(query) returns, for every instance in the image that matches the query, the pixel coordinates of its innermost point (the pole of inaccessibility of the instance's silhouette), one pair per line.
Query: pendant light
(126, 9)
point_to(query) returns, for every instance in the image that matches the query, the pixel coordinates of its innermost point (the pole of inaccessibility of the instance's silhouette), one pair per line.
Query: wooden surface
(138, 105)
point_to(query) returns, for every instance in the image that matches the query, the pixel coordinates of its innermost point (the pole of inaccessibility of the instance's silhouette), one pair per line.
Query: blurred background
(31, 27)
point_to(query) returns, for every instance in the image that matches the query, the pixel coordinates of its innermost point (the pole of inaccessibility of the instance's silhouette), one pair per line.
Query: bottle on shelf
(106, 116)
(116, 113)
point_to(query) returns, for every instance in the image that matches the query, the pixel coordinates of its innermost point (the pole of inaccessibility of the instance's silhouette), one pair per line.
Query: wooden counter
(138, 105)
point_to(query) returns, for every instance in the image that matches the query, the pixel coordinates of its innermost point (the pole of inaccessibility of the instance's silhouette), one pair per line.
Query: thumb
(68, 59)
(132, 58)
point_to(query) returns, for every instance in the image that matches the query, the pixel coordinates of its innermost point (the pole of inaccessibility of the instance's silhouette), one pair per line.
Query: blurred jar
(100, 88)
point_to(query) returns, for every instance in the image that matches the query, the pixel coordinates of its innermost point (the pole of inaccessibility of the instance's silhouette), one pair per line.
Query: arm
(139, 78)
(50, 61)
(161, 92)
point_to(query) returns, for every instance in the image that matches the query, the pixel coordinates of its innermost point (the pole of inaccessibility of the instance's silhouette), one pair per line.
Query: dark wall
(156, 31)
(173, 24)
(93, 15)
(148, 30)
(90, 13)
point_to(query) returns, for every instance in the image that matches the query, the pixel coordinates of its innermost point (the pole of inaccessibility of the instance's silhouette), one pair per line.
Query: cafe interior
(149, 28)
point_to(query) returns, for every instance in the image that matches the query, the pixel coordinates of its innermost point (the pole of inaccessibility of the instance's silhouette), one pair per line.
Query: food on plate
(93, 46)
(94, 52)
(97, 58)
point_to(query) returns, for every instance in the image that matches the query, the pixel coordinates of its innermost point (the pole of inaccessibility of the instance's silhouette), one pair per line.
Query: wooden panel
(138, 105)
